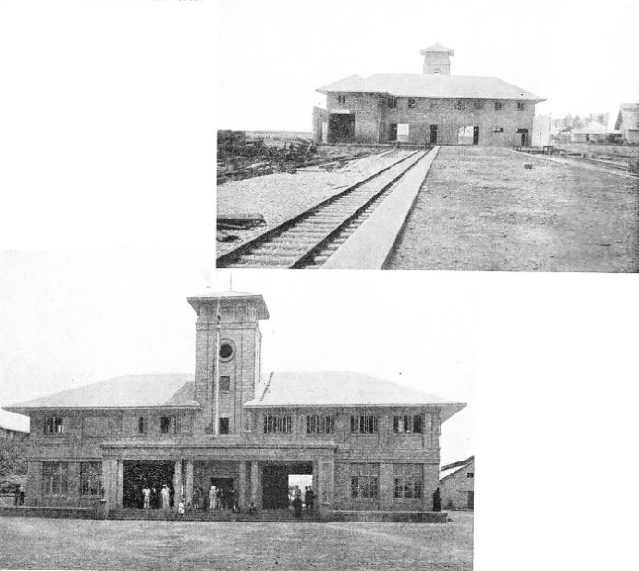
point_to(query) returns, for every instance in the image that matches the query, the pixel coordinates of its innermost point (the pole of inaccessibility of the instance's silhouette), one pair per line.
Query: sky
(580, 55)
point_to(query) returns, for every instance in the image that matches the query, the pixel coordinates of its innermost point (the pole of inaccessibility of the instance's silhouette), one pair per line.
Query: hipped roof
(431, 85)
(342, 388)
(136, 391)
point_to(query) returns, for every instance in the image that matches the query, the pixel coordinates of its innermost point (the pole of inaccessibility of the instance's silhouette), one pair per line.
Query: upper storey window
(278, 424)
(521, 106)
(341, 99)
(170, 425)
(363, 424)
(225, 383)
(316, 424)
(460, 104)
(405, 424)
(392, 103)
(412, 103)
(498, 105)
(54, 425)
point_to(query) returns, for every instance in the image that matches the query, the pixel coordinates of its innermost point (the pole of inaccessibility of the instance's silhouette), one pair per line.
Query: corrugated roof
(447, 471)
(333, 388)
(433, 86)
(13, 421)
(139, 391)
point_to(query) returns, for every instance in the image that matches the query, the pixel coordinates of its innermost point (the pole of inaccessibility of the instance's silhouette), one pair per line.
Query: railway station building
(370, 447)
(431, 108)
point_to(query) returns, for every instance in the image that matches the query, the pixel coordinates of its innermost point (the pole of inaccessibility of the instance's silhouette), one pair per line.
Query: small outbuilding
(457, 485)
(628, 122)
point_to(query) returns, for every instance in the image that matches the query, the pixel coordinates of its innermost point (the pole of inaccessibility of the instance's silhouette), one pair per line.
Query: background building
(434, 108)
(371, 446)
(457, 485)
(628, 122)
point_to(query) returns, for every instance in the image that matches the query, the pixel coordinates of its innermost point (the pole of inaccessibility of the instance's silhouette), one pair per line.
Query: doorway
(433, 134)
(341, 128)
(471, 500)
(137, 475)
(475, 135)
(275, 483)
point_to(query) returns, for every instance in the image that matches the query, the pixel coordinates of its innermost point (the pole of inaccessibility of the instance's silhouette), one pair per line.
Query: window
(522, 130)
(90, 479)
(170, 424)
(226, 351)
(341, 98)
(407, 424)
(141, 425)
(498, 105)
(363, 424)
(277, 424)
(498, 130)
(459, 104)
(55, 476)
(316, 424)
(408, 481)
(225, 383)
(53, 425)
(470, 475)
(365, 481)
(392, 103)
(412, 103)
(224, 425)
(479, 105)
(520, 105)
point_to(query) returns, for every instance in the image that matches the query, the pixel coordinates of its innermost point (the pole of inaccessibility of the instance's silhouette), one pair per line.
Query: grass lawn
(33, 543)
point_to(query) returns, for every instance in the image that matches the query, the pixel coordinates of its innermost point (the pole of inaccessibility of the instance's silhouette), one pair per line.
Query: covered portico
(246, 469)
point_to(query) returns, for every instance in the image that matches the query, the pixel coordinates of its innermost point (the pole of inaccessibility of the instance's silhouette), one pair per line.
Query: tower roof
(213, 296)
(438, 48)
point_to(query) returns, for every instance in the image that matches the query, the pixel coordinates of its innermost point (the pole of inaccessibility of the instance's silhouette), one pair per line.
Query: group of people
(309, 501)
(215, 498)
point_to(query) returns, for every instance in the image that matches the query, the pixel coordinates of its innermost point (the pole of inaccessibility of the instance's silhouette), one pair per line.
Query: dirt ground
(480, 209)
(32, 543)
(278, 197)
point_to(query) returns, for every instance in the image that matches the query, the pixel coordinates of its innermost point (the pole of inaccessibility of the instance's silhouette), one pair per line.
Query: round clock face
(226, 351)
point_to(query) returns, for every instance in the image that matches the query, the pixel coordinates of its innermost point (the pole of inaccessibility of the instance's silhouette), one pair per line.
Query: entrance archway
(275, 483)
(137, 475)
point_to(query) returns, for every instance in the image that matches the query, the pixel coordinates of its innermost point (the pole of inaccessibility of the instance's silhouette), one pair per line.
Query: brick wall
(373, 117)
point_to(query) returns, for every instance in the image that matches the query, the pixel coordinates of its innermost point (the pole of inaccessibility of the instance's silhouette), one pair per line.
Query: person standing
(212, 497)
(297, 506)
(166, 498)
(146, 494)
(309, 499)
(437, 501)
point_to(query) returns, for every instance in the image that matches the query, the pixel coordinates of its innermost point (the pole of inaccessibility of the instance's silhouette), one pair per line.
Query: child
(181, 507)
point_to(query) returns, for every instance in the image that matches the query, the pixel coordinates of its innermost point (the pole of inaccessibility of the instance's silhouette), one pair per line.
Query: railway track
(612, 167)
(310, 238)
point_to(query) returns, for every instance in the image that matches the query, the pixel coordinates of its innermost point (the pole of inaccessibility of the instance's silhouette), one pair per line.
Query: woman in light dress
(166, 497)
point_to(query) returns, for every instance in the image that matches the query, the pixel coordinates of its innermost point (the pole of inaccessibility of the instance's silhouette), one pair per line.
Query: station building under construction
(431, 108)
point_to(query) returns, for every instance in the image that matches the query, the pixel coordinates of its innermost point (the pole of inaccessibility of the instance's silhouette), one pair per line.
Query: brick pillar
(178, 485)
(33, 491)
(324, 484)
(255, 483)
(386, 486)
(431, 483)
(120, 484)
(189, 482)
(241, 495)
(110, 482)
